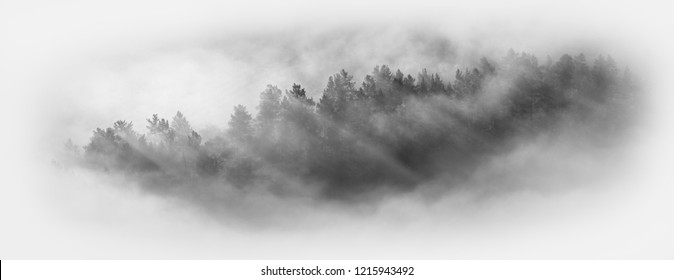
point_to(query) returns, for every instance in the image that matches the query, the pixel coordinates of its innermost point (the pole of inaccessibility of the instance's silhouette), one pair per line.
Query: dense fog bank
(390, 133)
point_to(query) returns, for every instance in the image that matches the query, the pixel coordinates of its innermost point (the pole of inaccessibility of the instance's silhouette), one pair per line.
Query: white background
(43, 42)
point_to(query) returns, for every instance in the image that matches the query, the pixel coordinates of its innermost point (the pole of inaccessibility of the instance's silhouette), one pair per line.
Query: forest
(392, 132)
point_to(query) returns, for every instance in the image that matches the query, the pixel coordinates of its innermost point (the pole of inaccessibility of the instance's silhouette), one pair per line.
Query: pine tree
(180, 125)
(240, 124)
(269, 106)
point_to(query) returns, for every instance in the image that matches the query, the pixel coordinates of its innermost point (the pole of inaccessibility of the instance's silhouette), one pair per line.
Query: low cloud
(571, 182)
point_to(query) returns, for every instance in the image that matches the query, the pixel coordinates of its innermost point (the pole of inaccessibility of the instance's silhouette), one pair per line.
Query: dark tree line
(393, 130)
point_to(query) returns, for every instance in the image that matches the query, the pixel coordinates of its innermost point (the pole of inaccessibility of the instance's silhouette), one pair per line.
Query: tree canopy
(392, 131)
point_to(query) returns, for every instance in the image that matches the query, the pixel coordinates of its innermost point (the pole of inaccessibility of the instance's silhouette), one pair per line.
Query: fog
(543, 198)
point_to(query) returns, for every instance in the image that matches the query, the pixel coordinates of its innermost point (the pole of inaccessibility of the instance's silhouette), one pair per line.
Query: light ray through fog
(552, 195)
(358, 141)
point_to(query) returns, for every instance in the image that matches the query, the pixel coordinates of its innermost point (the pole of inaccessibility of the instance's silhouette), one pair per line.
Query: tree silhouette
(181, 127)
(240, 124)
(392, 131)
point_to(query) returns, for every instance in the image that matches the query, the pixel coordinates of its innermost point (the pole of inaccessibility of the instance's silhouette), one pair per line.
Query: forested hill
(393, 131)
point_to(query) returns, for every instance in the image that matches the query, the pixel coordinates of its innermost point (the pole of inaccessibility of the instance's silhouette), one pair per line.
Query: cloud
(557, 202)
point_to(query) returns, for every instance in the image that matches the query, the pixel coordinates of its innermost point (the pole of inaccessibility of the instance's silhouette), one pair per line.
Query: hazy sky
(68, 68)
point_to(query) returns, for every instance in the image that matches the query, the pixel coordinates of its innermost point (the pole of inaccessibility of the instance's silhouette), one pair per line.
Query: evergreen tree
(388, 132)
(240, 124)
(160, 130)
(181, 126)
(269, 106)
